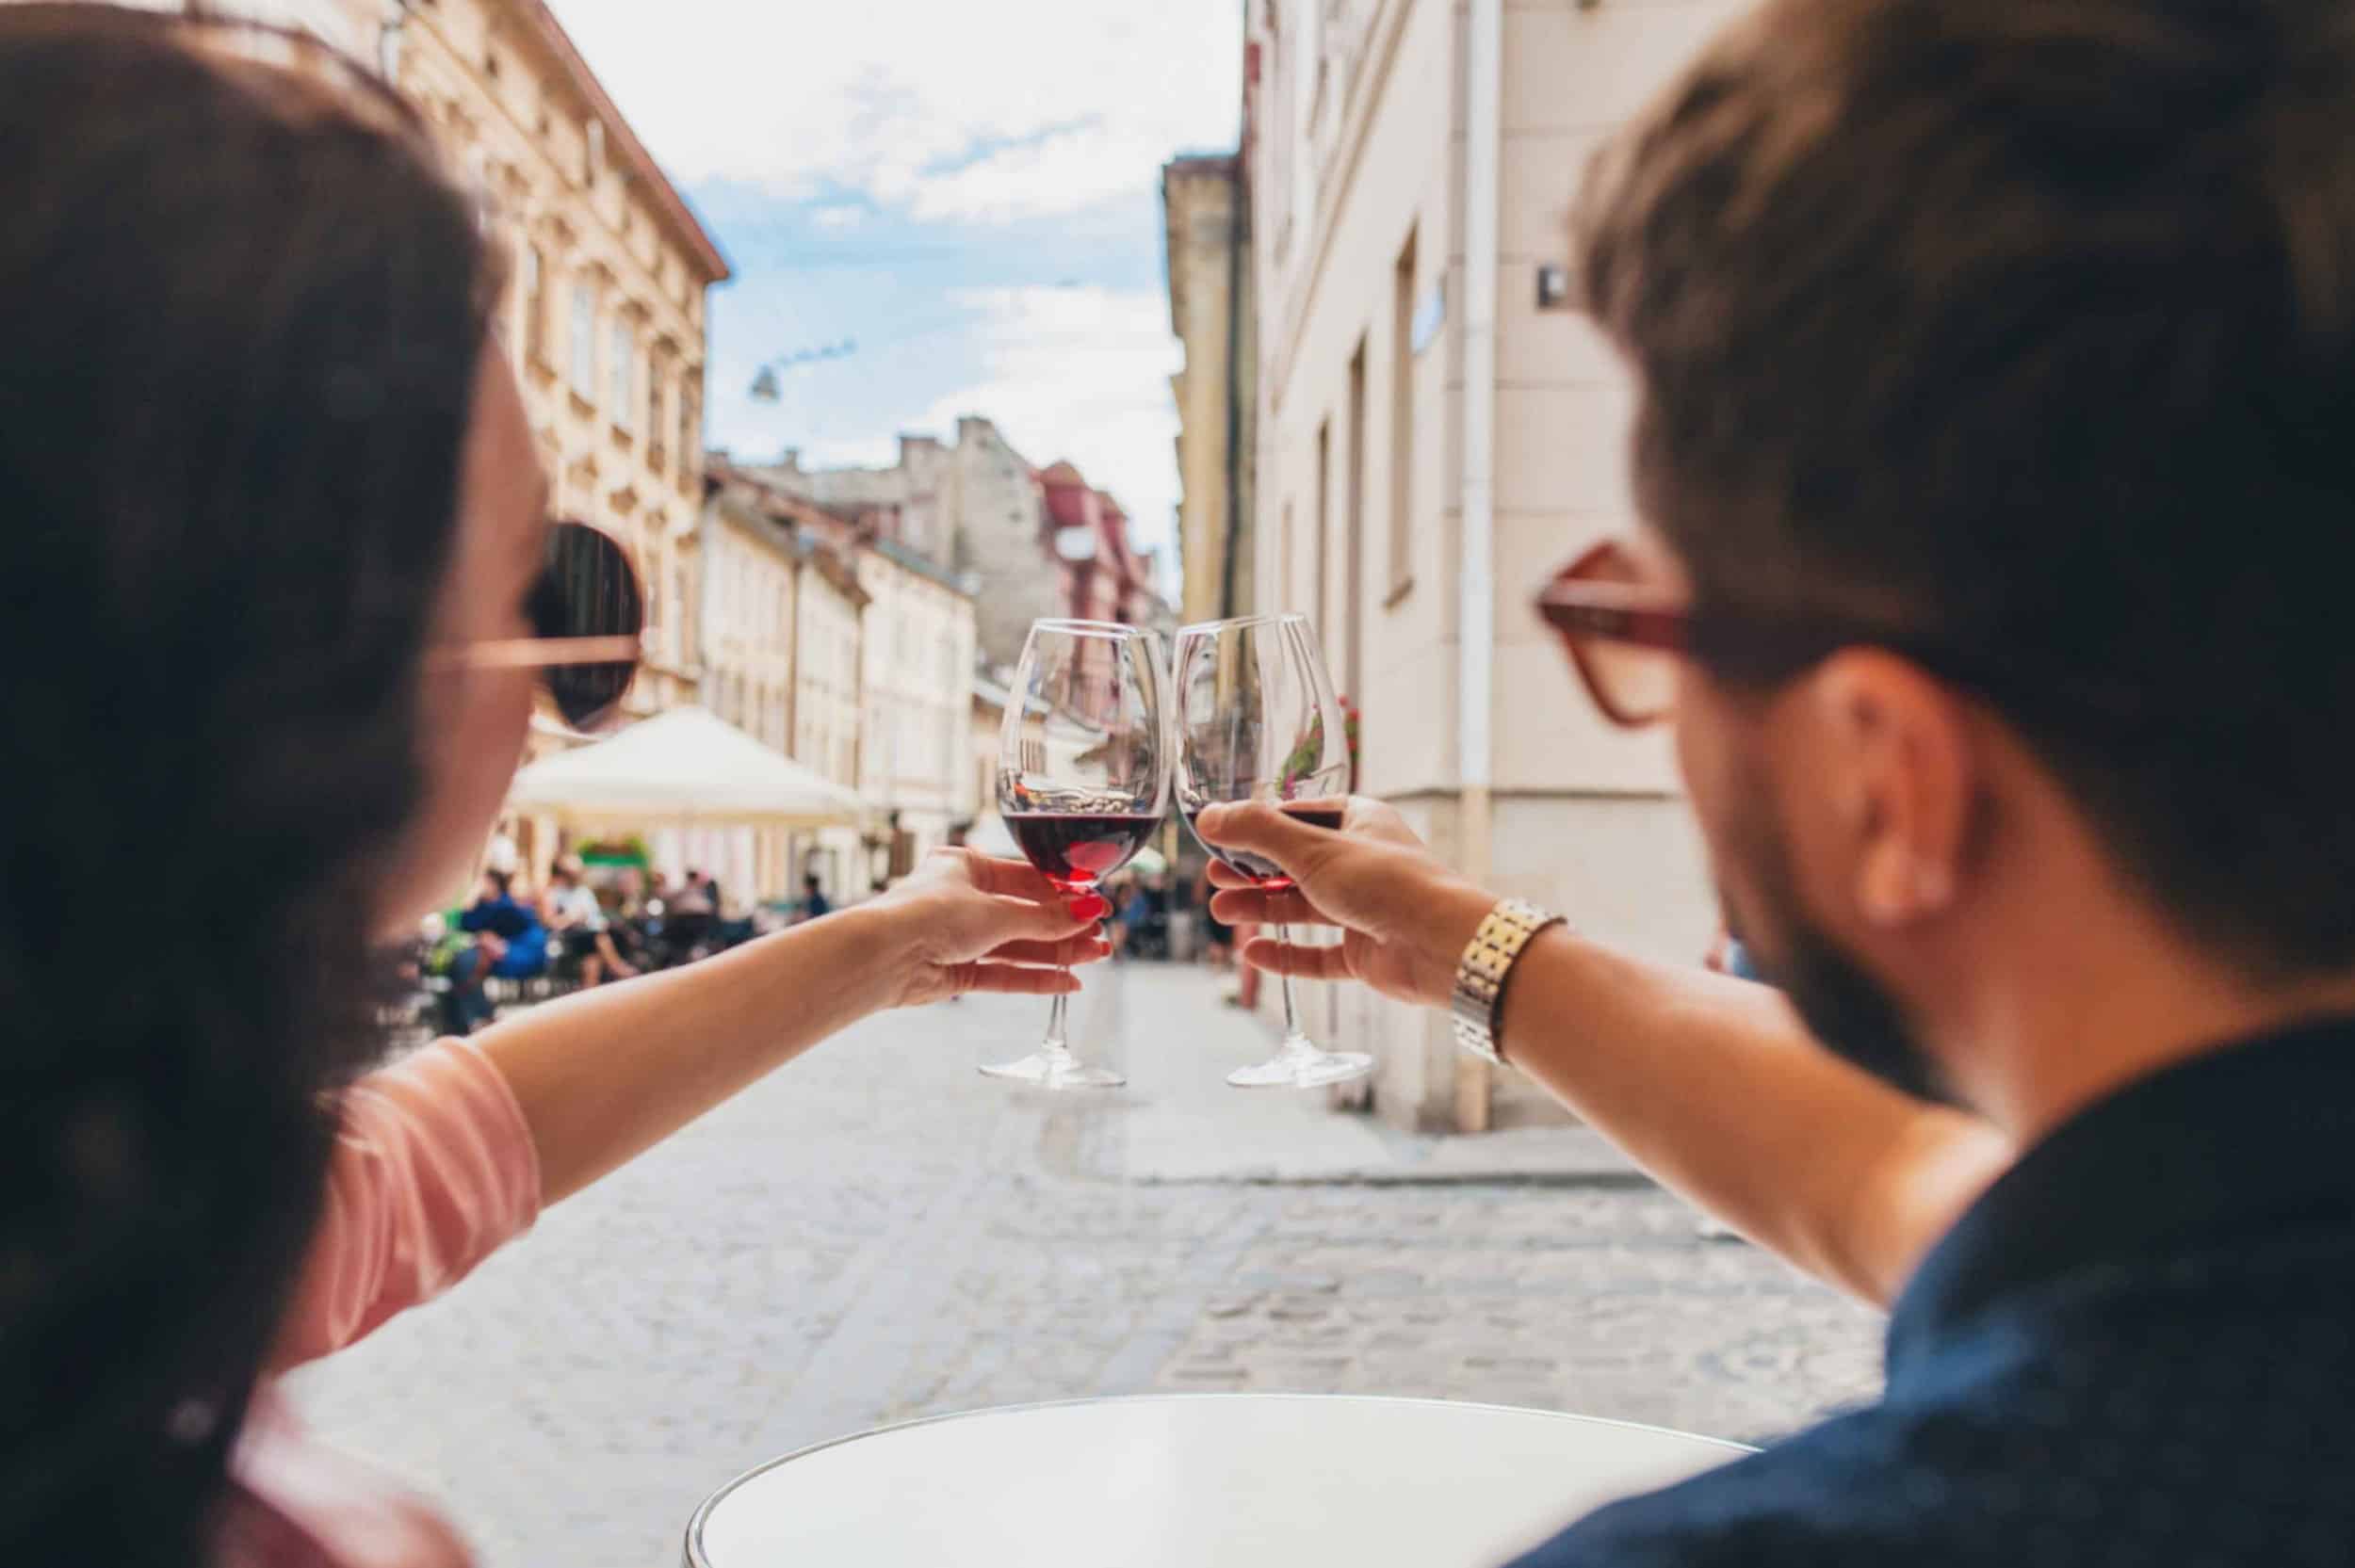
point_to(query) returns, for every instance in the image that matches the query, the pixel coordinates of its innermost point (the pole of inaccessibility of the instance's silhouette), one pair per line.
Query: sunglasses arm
(528, 653)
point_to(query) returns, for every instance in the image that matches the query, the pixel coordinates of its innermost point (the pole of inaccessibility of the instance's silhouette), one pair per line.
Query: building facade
(1206, 207)
(606, 318)
(1100, 574)
(887, 710)
(972, 506)
(751, 562)
(916, 677)
(830, 619)
(1436, 433)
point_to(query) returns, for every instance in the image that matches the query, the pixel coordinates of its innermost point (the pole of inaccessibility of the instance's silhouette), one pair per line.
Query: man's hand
(1404, 918)
(966, 922)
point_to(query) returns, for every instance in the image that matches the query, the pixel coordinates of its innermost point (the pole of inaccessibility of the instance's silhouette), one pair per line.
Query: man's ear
(1895, 748)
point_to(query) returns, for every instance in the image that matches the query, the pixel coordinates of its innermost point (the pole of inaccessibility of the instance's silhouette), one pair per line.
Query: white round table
(1235, 1480)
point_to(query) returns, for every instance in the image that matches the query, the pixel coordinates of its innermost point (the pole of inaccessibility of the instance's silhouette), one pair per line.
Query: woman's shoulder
(296, 1504)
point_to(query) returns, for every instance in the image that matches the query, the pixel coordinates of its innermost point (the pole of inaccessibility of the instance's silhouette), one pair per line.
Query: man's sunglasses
(587, 612)
(1627, 639)
(1623, 639)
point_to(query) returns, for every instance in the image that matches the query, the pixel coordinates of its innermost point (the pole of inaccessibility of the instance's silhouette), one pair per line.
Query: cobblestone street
(879, 1232)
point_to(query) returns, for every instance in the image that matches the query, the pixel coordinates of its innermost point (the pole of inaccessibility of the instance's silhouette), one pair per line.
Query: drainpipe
(1238, 243)
(1476, 615)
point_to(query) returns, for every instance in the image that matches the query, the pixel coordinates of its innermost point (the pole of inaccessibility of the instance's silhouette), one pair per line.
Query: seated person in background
(1995, 449)
(576, 921)
(815, 905)
(694, 897)
(510, 942)
(689, 919)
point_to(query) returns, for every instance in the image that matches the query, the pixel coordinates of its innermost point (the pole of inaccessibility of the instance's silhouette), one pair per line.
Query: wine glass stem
(1291, 1017)
(1058, 1042)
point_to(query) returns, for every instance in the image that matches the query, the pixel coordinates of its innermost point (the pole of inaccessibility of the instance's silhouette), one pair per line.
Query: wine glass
(1082, 783)
(1258, 720)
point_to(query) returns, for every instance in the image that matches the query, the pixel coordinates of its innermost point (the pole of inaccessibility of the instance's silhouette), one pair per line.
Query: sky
(968, 190)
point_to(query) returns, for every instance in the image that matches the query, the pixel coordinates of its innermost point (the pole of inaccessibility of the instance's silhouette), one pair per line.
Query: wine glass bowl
(1257, 719)
(1083, 780)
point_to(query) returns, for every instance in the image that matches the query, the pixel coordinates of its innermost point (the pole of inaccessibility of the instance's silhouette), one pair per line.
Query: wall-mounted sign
(1430, 316)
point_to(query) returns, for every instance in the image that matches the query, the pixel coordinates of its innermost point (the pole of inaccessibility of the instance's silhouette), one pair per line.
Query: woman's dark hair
(503, 881)
(245, 309)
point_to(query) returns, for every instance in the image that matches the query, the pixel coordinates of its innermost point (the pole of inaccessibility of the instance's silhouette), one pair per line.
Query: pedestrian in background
(815, 904)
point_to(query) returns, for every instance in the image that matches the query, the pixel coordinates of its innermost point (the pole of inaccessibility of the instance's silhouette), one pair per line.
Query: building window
(1401, 441)
(583, 366)
(691, 425)
(622, 371)
(534, 291)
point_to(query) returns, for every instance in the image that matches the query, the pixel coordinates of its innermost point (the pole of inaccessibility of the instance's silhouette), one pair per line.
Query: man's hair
(2028, 332)
(503, 881)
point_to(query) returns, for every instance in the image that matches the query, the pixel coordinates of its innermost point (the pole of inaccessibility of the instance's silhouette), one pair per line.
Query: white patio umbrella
(686, 767)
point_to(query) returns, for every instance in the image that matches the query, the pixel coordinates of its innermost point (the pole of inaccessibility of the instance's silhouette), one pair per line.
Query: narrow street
(879, 1232)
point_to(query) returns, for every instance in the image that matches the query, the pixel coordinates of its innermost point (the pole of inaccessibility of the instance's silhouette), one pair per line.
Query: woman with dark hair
(267, 497)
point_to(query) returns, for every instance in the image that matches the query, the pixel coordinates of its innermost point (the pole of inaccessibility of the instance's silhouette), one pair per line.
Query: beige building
(1205, 208)
(1437, 433)
(606, 322)
(973, 507)
(916, 674)
(830, 621)
(882, 672)
(750, 561)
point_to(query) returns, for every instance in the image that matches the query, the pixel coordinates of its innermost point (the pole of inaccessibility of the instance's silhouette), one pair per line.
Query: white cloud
(1083, 374)
(952, 110)
(837, 220)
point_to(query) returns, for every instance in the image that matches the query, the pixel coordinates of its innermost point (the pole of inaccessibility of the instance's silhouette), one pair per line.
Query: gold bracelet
(1478, 1001)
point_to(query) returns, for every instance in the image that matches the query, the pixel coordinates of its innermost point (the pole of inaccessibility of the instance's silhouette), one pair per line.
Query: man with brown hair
(1996, 455)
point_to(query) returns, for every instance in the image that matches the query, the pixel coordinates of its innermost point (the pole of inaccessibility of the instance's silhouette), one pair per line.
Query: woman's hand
(966, 922)
(1404, 918)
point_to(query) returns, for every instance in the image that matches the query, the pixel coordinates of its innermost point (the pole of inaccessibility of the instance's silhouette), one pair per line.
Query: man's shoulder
(1852, 1490)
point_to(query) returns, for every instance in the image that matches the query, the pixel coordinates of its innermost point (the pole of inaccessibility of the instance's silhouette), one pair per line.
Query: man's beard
(1848, 1010)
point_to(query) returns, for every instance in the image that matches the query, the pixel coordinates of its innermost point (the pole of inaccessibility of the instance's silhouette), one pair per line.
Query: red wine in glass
(1317, 814)
(1078, 849)
(1084, 776)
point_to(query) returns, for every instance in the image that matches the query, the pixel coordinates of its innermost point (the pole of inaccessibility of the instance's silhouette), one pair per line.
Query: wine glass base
(1301, 1065)
(1055, 1070)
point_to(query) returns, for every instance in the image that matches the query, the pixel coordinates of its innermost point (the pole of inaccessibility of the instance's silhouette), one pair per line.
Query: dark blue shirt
(2137, 1349)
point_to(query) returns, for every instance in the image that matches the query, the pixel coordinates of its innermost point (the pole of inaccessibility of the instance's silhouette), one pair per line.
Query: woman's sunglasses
(587, 613)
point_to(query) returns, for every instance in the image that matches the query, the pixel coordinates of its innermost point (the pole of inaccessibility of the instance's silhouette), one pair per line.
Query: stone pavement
(879, 1232)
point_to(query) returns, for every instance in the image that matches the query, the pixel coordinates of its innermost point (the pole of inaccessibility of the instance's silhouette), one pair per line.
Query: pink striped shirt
(434, 1170)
